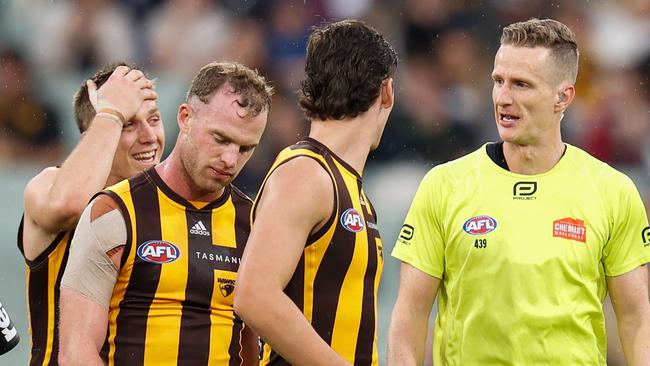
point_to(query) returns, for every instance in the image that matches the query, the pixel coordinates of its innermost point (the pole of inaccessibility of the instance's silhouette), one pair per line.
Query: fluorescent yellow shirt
(523, 259)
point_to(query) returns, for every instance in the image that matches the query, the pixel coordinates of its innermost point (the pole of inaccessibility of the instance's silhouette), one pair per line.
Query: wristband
(115, 113)
(112, 117)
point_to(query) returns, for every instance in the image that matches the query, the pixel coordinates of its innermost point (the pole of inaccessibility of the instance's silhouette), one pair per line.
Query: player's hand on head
(124, 91)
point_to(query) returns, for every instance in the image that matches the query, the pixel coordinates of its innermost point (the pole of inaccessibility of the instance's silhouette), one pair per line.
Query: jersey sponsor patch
(199, 229)
(406, 233)
(480, 225)
(569, 228)
(158, 251)
(645, 236)
(352, 220)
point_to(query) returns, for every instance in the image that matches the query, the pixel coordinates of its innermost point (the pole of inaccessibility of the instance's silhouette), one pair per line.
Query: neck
(175, 176)
(350, 139)
(532, 159)
(112, 180)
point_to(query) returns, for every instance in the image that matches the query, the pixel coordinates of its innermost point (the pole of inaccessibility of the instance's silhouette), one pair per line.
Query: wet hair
(547, 33)
(252, 86)
(345, 65)
(84, 112)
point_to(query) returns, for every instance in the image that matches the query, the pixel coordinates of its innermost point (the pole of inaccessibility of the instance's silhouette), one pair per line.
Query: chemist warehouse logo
(352, 220)
(158, 251)
(570, 228)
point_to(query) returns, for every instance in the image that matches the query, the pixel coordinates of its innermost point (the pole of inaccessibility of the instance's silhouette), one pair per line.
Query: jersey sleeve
(420, 241)
(629, 244)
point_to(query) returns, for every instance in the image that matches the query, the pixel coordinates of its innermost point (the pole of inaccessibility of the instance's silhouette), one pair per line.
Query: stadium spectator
(30, 127)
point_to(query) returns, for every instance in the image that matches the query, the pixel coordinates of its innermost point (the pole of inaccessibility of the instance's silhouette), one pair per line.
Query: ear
(564, 97)
(387, 93)
(184, 117)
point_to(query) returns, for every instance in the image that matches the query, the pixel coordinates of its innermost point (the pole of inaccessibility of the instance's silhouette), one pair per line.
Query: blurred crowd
(443, 107)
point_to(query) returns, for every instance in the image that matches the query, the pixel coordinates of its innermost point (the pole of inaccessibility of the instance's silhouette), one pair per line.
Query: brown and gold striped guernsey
(172, 303)
(43, 278)
(336, 281)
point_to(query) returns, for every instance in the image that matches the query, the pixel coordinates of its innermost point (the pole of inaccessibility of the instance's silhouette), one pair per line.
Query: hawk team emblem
(226, 286)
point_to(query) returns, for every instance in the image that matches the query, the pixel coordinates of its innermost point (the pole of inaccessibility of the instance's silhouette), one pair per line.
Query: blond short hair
(547, 33)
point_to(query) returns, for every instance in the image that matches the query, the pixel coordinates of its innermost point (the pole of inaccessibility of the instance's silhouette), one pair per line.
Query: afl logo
(158, 251)
(479, 225)
(352, 220)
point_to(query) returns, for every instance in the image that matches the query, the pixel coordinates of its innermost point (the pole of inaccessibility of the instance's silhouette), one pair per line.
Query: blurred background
(443, 89)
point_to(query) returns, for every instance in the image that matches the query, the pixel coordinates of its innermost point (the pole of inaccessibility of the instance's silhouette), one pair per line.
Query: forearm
(280, 323)
(82, 330)
(86, 169)
(80, 357)
(635, 338)
(406, 338)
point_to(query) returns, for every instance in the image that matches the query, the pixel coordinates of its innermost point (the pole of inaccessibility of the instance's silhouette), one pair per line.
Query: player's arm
(290, 208)
(55, 198)
(250, 345)
(88, 283)
(629, 294)
(409, 321)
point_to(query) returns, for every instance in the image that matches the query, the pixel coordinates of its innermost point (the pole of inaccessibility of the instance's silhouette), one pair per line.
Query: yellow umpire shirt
(523, 258)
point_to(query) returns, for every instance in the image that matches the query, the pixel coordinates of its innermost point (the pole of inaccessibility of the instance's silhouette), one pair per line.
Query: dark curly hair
(345, 66)
(84, 112)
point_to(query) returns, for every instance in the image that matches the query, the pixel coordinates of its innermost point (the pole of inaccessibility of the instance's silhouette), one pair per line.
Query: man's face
(220, 138)
(524, 94)
(141, 143)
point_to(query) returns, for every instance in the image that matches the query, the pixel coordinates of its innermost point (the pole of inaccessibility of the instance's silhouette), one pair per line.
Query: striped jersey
(335, 283)
(172, 303)
(43, 277)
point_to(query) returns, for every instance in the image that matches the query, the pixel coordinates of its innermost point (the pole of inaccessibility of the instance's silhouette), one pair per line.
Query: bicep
(287, 213)
(417, 291)
(91, 269)
(83, 322)
(629, 292)
(39, 206)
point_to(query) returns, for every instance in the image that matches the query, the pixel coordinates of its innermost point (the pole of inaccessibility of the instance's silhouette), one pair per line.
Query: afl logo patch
(158, 251)
(479, 225)
(352, 220)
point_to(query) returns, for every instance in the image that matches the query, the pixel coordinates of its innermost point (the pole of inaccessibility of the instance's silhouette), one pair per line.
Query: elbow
(240, 305)
(244, 304)
(68, 209)
(65, 357)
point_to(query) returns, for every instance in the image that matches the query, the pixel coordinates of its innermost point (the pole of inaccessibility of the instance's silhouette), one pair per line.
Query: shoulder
(456, 170)
(301, 179)
(300, 171)
(590, 167)
(101, 205)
